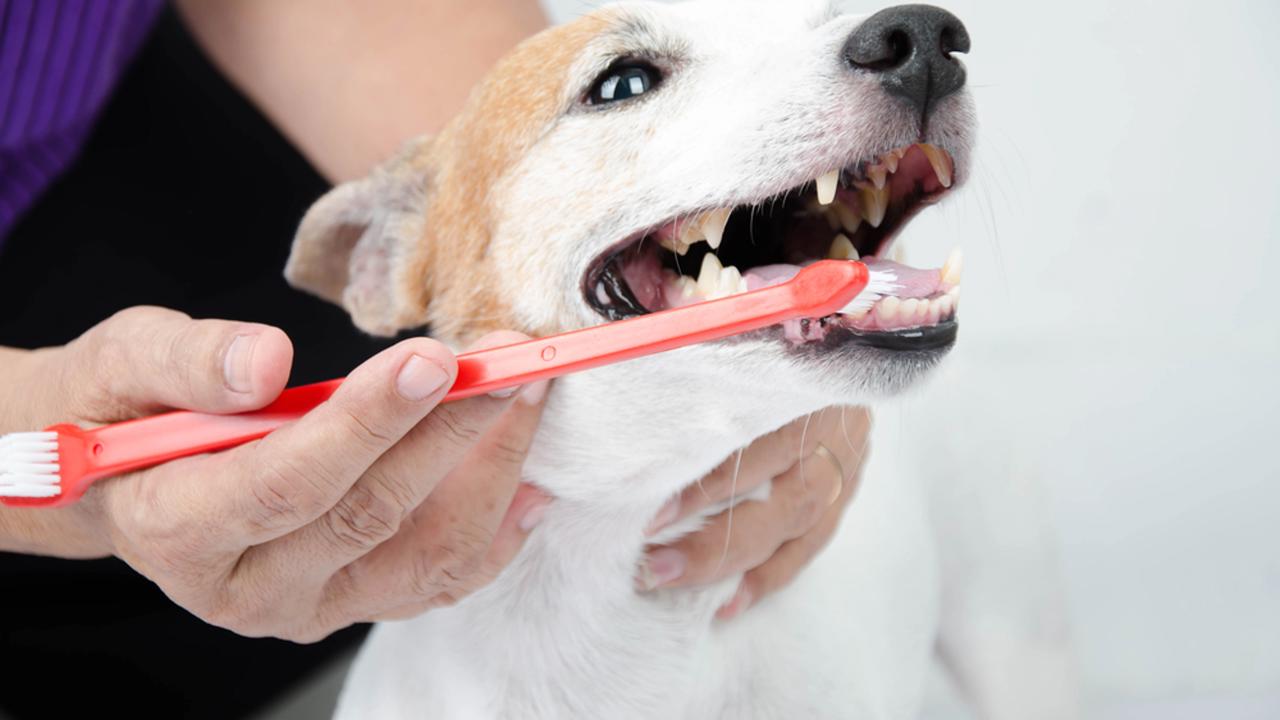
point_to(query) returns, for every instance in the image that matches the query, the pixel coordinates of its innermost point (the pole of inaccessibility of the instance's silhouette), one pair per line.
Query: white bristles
(879, 285)
(29, 465)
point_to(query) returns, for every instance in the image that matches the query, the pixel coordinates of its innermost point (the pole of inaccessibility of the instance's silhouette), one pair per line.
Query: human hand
(377, 504)
(815, 464)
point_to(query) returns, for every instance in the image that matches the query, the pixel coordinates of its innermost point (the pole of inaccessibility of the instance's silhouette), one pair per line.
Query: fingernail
(665, 516)
(420, 378)
(237, 365)
(534, 515)
(741, 601)
(663, 566)
(534, 392)
(504, 393)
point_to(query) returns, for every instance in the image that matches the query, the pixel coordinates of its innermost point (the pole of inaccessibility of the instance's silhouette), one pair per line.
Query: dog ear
(352, 245)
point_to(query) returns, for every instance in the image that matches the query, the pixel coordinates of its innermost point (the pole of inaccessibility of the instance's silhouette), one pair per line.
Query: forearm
(347, 82)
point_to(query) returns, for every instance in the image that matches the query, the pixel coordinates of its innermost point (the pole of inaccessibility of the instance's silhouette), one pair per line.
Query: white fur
(760, 103)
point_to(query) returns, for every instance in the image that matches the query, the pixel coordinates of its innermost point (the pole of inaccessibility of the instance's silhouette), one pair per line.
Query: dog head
(651, 155)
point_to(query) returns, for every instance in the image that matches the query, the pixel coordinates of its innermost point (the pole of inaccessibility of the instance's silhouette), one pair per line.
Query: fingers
(748, 534)
(758, 463)
(792, 557)
(300, 472)
(146, 359)
(461, 537)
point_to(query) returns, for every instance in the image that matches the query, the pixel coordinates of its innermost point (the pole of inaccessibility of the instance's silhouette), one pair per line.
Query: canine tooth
(890, 161)
(713, 226)
(842, 249)
(877, 175)
(875, 202)
(709, 276)
(951, 270)
(827, 187)
(848, 220)
(940, 161)
(601, 295)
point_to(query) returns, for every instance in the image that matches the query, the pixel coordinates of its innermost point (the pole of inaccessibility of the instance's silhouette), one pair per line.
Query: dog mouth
(849, 214)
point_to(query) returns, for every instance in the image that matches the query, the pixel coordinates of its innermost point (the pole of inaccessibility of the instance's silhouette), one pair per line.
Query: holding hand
(815, 464)
(378, 504)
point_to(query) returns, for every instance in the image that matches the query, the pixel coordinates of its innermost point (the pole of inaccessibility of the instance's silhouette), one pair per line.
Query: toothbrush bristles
(29, 465)
(878, 286)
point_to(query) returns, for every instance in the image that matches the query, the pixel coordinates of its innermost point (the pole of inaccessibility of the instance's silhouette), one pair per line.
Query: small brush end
(29, 465)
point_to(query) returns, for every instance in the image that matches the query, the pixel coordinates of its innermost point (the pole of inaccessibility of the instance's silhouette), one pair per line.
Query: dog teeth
(897, 313)
(887, 309)
(875, 202)
(877, 174)
(890, 161)
(714, 281)
(731, 283)
(713, 224)
(827, 185)
(951, 270)
(709, 275)
(940, 161)
(842, 249)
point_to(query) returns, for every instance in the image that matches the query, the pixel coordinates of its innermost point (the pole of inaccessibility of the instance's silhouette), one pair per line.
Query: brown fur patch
(446, 278)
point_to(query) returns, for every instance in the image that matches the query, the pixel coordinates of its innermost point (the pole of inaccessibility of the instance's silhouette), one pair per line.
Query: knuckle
(363, 518)
(452, 563)
(445, 422)
(371, 435)
(277, 503)
(507, 454)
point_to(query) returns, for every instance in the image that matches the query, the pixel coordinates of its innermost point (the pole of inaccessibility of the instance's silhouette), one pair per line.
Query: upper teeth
(713, 226)
(940, 161)
(827, 185)
(951, 269)
(866, 201)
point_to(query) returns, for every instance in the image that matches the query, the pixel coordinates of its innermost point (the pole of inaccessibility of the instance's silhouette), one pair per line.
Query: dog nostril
(909, 48)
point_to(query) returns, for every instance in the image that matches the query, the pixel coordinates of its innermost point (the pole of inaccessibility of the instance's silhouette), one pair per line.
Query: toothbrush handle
(819, 290)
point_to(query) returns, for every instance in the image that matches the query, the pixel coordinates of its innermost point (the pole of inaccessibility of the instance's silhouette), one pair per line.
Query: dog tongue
(913, 283)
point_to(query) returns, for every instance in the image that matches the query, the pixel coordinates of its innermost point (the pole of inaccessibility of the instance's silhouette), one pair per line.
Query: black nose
(909, 47)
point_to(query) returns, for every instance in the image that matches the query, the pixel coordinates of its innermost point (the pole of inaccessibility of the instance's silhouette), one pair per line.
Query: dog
(643, 157)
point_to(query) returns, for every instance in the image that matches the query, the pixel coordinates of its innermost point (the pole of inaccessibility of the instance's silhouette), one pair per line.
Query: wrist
(67, 532)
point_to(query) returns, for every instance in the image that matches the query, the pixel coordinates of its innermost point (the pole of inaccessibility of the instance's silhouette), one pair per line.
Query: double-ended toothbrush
(55, 467)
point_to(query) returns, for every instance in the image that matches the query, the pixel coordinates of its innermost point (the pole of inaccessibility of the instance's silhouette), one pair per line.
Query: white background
(1120, 339)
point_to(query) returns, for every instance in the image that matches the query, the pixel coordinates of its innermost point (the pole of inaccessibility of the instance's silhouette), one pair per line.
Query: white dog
(643, 157)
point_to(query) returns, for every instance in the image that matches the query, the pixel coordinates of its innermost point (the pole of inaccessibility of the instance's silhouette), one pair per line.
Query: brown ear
(352, 245)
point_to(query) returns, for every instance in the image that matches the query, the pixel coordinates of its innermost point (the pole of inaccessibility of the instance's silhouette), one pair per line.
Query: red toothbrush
(55, 467)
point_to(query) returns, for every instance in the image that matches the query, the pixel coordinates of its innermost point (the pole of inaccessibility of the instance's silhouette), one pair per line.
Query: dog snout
(909, 48)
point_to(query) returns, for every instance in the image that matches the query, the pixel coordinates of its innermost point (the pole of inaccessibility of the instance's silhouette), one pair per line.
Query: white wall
(1120, 333)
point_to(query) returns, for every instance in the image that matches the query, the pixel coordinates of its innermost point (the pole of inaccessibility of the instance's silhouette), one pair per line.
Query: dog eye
(623, 82)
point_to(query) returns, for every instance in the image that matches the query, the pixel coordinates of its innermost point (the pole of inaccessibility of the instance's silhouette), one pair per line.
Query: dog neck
(567, 610)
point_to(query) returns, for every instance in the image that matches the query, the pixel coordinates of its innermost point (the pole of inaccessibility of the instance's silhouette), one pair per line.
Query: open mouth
(849, 214)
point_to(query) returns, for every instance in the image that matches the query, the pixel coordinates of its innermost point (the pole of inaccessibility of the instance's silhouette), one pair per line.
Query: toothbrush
(55, 467)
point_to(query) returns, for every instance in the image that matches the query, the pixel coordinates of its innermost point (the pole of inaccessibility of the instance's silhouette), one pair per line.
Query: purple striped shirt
(59, 60)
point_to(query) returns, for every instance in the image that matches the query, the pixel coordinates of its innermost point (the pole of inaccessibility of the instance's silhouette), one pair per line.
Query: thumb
(146, 359)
